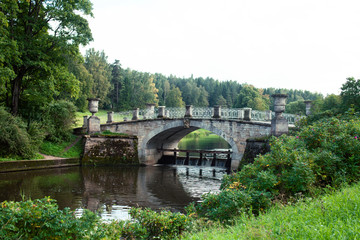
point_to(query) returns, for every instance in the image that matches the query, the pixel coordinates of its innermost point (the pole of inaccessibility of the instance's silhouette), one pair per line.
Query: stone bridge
(154, 134)
(163, 129)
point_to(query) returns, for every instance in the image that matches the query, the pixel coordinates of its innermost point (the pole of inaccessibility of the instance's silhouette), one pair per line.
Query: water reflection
(113, 190)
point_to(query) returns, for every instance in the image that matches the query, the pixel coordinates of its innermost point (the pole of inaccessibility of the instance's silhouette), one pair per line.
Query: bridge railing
(203, 113)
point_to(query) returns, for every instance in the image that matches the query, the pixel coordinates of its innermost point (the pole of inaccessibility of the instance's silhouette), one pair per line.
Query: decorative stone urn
(93, 105)
(279, 124)
(93, 125)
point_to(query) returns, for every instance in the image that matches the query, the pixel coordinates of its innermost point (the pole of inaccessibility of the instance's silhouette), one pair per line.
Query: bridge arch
(169, 135)
(153, 134)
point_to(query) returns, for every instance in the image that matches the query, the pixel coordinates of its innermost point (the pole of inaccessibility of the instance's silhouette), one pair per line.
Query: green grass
(15, 158)
(57, 149)
(333, 216)
(102, 114)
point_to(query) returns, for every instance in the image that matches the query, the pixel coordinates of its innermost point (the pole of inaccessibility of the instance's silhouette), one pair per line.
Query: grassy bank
(333, 216)
(67, 149)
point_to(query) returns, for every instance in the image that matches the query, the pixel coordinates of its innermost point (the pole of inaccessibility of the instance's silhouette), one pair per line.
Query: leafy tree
(221, 101)
(97, 65)
(40, 33)
(174, 98)
(138, 89)
(297, 107)
(350, 94)
(86, 81)
(117, 83)
(332, 103)
(251, 97)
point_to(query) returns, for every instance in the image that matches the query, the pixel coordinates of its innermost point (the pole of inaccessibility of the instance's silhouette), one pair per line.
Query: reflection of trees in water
(94, 188)
(203, 139)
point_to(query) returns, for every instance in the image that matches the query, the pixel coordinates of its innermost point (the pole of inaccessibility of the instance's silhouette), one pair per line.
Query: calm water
(113, 190)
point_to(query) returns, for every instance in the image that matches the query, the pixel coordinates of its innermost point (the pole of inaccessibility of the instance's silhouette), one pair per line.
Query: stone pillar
(135, 114)
(188, 111)
(93, 124)
(279, 125)
(85, 119)
(217, 111)
(241, 114)
(308, 105)
(247, 114)
(150, 110)
(161, 113)
(110, 117)
(268, 115)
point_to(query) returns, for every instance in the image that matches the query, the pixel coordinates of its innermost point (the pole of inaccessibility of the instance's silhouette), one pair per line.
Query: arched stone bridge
(160, 131)
(154, 134)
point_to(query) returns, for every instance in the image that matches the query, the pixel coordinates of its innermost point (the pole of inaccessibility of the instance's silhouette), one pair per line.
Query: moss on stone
(111, 150)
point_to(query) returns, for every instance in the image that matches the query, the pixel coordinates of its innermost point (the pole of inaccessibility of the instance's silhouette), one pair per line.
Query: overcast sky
(304, 44)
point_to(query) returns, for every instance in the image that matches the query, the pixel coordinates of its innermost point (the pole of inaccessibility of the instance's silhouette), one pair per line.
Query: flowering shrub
(324, 153)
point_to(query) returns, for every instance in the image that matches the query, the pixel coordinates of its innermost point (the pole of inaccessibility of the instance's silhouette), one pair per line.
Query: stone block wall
(110, 150)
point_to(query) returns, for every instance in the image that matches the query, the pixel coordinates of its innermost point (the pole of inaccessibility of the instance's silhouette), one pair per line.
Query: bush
(60, 118)
(14, 139)
(150, 224)
(41, 219)
(325, 153)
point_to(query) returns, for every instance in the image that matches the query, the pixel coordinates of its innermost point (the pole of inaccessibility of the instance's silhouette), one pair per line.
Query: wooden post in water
(213, 162)
(200, 160)
(228, 161)
(187, 158)
(175, 156)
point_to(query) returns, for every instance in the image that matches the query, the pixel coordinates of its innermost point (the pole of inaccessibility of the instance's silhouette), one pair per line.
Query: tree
(332, 103)
(86, 81)
(117, 82)
(221, 101)
(174, 98)
(251, 97)
(97, 65)
(40, 34)
(297, 107)
(350, 94)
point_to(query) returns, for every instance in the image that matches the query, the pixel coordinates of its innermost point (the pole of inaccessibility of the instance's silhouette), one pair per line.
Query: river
(112, 191)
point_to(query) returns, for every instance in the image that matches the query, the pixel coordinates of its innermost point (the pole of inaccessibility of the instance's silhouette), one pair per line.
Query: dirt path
(50, 157)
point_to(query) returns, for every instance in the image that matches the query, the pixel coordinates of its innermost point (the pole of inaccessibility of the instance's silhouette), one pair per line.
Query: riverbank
(24, 165)
(333, 216)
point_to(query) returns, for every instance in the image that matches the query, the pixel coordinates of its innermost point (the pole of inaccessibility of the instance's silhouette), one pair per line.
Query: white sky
(300, 44)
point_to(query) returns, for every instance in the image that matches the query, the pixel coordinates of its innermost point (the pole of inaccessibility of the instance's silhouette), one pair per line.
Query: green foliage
(350, 94)
(37, 36)
(325, 153)
(98, 67)
(15, 141)
(174, 98)
(41, 219)
(223, 206)
(333, 216)
(297, 107)
(60, 149)
(336, 146)
(149, 224)
(60, 118)
(251, 97)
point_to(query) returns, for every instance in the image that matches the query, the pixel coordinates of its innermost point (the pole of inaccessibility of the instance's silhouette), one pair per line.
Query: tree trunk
(16, 89)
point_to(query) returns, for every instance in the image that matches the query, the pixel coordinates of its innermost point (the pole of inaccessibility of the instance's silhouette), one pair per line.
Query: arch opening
(190, 146)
